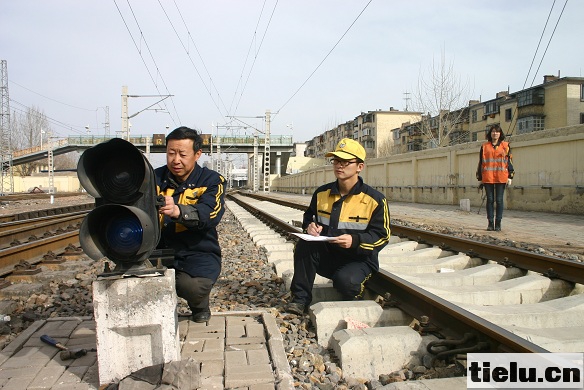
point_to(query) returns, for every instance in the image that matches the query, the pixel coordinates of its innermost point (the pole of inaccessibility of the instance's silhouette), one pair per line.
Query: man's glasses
(342, 163)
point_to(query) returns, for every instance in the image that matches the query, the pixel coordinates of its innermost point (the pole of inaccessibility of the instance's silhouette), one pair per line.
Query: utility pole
(211, 146)
(256, 168)
(255, 161)
(106, 132)
(407, 99)
(126, 118)
(267, 154)
(7, 178)
(218, 151)
(51, 169)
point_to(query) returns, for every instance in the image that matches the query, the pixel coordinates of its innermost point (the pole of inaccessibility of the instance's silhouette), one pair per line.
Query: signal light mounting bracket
(161, 257)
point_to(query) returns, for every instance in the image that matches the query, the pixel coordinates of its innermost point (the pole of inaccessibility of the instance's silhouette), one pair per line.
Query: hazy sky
(313, 63)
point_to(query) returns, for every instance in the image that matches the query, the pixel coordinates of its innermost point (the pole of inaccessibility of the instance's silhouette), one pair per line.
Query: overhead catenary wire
(512, 123)
(550, 40)
(190, 37)
(323, 60)
(157, 69)
(54, 121)
(38, 114)
(538, 43)
(48, 98)
(193, 63)
(140, 51)
(256, 54)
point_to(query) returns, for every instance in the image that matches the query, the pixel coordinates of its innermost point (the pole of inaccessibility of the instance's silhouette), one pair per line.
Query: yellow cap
(347, 149)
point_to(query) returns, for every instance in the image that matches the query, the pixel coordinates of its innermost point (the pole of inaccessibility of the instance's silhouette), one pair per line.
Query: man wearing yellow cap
(356, 215)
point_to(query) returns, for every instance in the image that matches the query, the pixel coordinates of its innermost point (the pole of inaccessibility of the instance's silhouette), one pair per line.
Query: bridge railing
(275, 140)
(248, 140)
(37, 149)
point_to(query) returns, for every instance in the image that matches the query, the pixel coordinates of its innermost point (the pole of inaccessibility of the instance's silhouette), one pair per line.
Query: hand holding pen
(314, 229)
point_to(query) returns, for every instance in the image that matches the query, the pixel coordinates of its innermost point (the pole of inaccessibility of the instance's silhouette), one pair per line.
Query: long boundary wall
(549, 174)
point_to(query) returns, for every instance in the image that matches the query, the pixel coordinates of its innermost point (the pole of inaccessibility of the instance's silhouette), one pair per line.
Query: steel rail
(549, 266)
(22, 229)
(552, 267)
(279, 224)
(32, 252)
(46, 212)
(448, 320)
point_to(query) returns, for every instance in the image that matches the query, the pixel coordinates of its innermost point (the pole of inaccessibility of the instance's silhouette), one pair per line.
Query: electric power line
(49, 119)
(193, 63)
(140, 52)
(256, 55)
(325, 57)
(550, 41)
(54, 100)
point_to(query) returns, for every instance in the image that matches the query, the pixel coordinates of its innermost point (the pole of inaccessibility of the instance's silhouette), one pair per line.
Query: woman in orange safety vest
(495, 172)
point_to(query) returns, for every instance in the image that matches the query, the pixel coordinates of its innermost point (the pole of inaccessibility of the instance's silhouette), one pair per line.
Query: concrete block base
(330, 317)
(136, 324)
(367, 353)
(465, 204)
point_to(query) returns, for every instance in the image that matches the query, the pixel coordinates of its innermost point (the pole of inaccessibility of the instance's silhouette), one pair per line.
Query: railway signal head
(124, 226)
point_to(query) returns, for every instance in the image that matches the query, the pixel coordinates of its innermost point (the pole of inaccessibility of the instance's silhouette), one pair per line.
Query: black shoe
(498, 226)
(490, 227)
(295, 308)
(202, 315)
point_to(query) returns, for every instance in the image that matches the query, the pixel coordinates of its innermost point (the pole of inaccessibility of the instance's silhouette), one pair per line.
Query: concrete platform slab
(27, 361)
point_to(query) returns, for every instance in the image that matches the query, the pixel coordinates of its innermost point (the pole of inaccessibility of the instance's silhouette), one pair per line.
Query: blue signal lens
(123, 235)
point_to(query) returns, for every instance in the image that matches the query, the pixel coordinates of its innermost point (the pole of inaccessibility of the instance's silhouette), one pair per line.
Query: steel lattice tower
(7, 178)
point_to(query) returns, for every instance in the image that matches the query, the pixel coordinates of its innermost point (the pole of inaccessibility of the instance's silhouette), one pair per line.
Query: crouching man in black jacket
(194, 205)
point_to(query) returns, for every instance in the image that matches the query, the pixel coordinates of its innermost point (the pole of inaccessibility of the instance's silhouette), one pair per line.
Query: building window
(530, 96)
(529, 124)
(491, 108)
(582, 118)
(508, 115)
(582, 92)
(474, 116)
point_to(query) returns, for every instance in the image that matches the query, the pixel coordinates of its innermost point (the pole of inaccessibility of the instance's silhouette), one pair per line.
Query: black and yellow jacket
(193, 235)
(363, 213)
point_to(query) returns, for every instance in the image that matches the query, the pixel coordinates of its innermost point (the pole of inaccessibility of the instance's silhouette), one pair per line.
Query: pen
(315, 220)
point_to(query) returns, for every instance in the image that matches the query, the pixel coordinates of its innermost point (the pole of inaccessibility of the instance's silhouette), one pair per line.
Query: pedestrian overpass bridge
(281, 147)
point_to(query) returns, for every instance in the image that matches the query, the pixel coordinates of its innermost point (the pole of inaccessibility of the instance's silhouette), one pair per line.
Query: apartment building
(373, 129)
(557, 102)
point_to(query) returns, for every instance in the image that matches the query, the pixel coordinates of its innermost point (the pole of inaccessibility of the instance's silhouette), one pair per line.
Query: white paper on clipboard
(308, 237)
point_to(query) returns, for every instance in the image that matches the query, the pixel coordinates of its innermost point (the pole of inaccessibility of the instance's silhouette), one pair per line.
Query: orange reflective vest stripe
(495, 163)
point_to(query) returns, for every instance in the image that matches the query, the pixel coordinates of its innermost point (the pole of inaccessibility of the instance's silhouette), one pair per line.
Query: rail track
(30, 241)
(442, 295)
(450, 313)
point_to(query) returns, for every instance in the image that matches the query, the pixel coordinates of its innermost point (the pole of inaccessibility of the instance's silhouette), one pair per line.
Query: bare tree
(443, 98)
(27, 130)
(67, 160)
(32, 130)
(385, 147)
